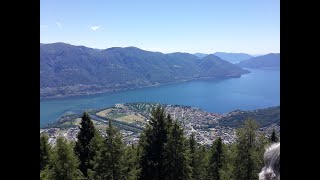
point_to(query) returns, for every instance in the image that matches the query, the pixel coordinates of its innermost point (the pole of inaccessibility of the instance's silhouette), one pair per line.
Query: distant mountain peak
(211, 57)
(200, 55)
(265, 61)
(233, 57)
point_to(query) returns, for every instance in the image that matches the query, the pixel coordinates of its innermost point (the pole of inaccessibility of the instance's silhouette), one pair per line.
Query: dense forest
(163, 153)
(263, 117)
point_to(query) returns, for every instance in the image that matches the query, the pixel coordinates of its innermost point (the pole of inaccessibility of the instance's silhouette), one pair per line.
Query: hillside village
(131, 118)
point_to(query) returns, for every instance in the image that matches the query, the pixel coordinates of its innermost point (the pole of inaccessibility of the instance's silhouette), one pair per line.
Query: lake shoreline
(258, 89)
(86, 94)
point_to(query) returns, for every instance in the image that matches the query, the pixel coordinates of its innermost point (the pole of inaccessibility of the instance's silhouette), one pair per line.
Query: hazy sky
(207, 26)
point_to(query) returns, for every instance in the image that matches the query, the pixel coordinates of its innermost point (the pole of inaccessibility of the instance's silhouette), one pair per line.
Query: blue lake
(258, 89)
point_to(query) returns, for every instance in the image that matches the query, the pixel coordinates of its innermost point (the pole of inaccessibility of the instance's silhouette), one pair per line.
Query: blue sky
(206, 26)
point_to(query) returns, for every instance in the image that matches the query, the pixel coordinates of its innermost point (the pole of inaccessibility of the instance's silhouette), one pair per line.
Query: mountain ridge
(67, 70)
(265, 61)
(233, 57)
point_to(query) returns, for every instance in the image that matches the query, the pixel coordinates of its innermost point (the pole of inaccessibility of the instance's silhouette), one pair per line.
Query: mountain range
(200, 55)
(271, 60)
(230, 57)
(67, 70)
(233, 57)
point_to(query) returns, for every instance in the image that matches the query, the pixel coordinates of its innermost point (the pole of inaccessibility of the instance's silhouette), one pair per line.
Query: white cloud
(94, 28)
(59, 25)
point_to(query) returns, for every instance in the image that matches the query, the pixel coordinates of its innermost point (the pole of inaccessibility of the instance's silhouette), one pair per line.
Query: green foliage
(164, 150)
(96, 144)
(176, 154)
(152, 142)
(163, 153)
(192, 146)
(82, 149)
(44, 174)
(217, 160)
(199, 159)
(108, 164)
(131, 159)
(263, 117)
(248, 161)
(64, 163)
(193, 158)
(227, 173)
(201, 163)
(65, 121)
(45, 151)
(274, 137)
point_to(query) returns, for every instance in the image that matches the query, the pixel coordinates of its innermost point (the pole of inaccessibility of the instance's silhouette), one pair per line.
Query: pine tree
(227, 171)
(108, 164)
(45, 151)
(217, 160)
(177, 162)
(82, 150)
(248, 158)
(152, 142)
(96, 145)
(131, 169)
(193, 158)
(169, 122)
(198, 159)
(274, 137)
(64, 163)
(201, 163)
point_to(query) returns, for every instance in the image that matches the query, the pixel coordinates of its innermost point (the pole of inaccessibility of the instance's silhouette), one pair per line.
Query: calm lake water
(258, 89)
